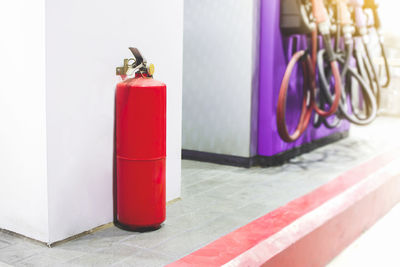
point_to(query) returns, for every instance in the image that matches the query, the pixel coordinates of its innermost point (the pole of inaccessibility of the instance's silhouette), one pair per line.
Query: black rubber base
(262, 161)
(136, 229)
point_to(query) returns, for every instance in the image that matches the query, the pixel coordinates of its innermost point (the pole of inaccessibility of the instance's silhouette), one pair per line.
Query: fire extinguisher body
(140, 152)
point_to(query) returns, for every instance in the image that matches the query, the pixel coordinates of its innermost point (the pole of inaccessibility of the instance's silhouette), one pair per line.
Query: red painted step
(313, 229)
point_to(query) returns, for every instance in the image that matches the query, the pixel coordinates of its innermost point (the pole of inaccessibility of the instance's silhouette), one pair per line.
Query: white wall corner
(81, 56)
(23, 172)
(57, 106)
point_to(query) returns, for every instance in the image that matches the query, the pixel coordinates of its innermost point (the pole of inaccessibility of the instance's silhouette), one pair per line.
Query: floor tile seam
(17, 240)
(176, 217)
(127, 237)
(204, 180)
(43, 252)
(172, 237)
(187, 199)
(209, 168)
(187, 231)
(220, 202)
(148, 250)
(251, 196)
(181, 215)
(2, 262)
(224, 200)
(96, 250)
(206, 191)
(120, 261)
(257, 196)
(74, 258)
(5, 247)
(202, 223)
(132, 256)
(230, 183)
(193, 209)
(133, 237)
(245, 203)
(245, 189)
(26, 258)
(5, 242)
(85, 254)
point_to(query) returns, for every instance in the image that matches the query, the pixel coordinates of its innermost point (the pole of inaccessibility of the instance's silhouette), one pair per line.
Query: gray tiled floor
(215, 201)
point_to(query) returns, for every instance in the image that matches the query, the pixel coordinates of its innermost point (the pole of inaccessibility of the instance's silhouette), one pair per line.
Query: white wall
(23, 183)
(85, 41)
(57, 84)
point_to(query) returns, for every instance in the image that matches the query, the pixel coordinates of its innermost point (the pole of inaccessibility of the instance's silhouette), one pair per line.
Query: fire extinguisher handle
(138, 56)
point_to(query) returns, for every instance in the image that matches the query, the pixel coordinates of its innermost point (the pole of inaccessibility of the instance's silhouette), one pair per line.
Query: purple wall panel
(275, 50)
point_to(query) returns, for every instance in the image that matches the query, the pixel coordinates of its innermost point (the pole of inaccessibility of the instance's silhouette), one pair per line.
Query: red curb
(240, 247)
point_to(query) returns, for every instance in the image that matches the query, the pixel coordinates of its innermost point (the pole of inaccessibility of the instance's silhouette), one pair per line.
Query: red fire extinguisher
(140, 146)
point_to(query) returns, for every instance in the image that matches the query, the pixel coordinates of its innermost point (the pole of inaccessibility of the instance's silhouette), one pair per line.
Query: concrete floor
(215, 201)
